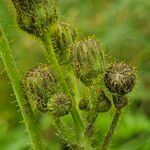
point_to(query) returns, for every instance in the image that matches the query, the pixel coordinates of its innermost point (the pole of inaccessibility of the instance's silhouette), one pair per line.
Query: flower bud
(120, 78)
(40, 83)
(84, 104)
(103, 104)
(33, 16)
(63, 35)
(59, 105)
(120, 101)
(88, 60)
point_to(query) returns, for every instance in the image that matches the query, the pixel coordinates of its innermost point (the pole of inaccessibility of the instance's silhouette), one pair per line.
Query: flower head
(40, 83)
(33, 16)
(59, 105)
(88, 59)
(120, 78)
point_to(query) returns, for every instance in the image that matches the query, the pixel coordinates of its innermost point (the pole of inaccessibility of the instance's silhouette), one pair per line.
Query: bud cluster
(86, 57)
(42, 87)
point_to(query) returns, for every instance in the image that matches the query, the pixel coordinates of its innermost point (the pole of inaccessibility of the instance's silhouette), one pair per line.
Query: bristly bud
(34, 16)
(84, 104)
(120, 101)
(63, 35)
(59, 105)
(88, 59)
(103, 104)
(120, 78)
(40, 83)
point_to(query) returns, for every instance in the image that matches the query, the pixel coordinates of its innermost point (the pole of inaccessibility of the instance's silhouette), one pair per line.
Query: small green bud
(120, 101)
(59, 105)
(34, 16)
(87, 59)
(63, 35)
(120, 78)
(41, 105)
(103, 104)
(84, 104)
(40, 83)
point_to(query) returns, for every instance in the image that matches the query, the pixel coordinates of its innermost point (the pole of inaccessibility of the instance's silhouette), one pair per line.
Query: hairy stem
(92, 116)
(28, 117)
(54, 62)
(111, 130)
(89, 130)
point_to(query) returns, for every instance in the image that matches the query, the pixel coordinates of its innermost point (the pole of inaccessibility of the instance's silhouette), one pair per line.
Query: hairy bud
(40, 83)
(120, 78)
(63, 35)
(88, 60)
(59, 105)
(103, 103)
(33, 16)
(84, 104)
(120, 101)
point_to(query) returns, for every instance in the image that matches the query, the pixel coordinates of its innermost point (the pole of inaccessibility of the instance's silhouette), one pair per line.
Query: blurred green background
(124, 28)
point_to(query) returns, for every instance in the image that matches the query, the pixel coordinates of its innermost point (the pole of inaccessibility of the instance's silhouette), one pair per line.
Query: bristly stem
(28, 117)
(111, 130)
(54, 63)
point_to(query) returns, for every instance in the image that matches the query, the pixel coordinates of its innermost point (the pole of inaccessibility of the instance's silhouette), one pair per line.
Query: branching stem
(54, 62)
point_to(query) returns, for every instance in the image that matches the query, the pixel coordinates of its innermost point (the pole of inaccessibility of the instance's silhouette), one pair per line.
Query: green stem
(111, 130)
(30, 122)
(66, 133)
(92, 116)
(54, 62)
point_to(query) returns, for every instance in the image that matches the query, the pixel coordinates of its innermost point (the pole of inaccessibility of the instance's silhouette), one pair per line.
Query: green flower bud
(34, 16)
(84, 104)
(63, 35)
(59, 105)
(120, 78)
(103, 104)
(88, 60)
(120, 101)
(40, 83)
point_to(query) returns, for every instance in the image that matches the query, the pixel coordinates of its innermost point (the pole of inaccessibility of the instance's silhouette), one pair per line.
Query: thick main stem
(54, 62)
(28, 117)
(111, 130)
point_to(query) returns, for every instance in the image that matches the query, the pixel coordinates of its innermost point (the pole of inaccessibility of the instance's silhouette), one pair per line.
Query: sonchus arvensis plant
(79, 80)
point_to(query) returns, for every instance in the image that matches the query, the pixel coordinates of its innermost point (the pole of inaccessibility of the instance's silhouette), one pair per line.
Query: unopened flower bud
(120, 101)
(59, 105)
(63, 35)
(33, 16)
(120, 78)
(40, 83)
(88, 59)
(103, 103)
(84, 104)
